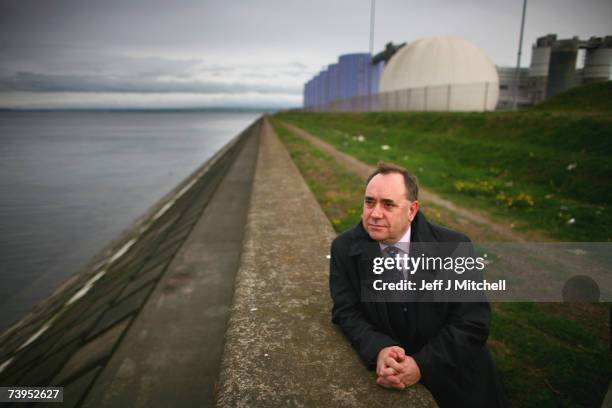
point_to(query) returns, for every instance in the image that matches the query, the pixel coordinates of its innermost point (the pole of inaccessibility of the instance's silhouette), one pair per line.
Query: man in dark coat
(439, 344)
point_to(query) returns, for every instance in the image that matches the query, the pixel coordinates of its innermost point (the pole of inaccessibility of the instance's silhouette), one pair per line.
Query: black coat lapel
(363, 250)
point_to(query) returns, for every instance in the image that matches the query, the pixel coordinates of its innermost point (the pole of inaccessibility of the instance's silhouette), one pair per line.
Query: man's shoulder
(345, 239)
(429, 231)
(447, 235)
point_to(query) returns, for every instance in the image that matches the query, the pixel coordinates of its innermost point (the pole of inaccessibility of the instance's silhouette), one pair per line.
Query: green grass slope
(538, 170)
(596, 98)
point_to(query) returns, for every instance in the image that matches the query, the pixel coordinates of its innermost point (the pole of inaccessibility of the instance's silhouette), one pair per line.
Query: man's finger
(382, 382)
(398, 351)
(391, 362)
(399, 357)
(382, 369)
(393, 379)
(390, 382)
(387, 371)
(400, 386)
(386, 381)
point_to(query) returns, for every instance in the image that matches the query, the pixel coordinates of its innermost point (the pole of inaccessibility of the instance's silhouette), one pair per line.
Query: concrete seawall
(146, 322)
(281, 348)
(71, 337)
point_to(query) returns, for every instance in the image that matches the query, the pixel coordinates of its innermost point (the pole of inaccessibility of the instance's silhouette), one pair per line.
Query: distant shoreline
(143, 110)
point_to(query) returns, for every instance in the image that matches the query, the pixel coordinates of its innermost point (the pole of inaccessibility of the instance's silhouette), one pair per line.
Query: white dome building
(439, 74)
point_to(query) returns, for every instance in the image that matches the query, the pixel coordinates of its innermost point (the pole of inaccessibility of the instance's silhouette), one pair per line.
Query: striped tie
(397, 274)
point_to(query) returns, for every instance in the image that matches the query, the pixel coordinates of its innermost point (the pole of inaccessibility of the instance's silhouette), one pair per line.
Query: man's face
(387, 212)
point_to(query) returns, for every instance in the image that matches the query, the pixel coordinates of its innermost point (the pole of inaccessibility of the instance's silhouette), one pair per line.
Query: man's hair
(410, 181)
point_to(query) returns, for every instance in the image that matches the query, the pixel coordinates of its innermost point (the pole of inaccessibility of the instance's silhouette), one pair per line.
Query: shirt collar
(403, 244)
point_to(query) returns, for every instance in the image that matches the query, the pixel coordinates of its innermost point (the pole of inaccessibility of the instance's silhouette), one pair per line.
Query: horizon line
(127, 109)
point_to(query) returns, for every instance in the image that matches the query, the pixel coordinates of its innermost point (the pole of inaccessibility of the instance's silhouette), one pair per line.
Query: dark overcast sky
(122, 53)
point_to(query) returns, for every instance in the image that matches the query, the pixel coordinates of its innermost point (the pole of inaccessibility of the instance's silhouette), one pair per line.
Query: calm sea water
(72, 182)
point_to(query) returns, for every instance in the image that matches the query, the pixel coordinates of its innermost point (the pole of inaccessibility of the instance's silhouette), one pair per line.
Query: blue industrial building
(354, 75)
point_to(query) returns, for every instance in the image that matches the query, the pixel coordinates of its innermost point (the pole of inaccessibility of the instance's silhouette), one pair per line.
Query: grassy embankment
(543, 170)
(547, 354)
(594, 98)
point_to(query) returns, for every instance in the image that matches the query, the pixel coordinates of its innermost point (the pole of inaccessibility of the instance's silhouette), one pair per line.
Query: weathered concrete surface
(171, 354)
(281, 348)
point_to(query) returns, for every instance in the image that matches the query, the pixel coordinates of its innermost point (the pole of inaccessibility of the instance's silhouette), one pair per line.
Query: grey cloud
(77, 61)
(74, 70)
(86, 63)
(198, 46)
(298, 65)
(34, 82)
